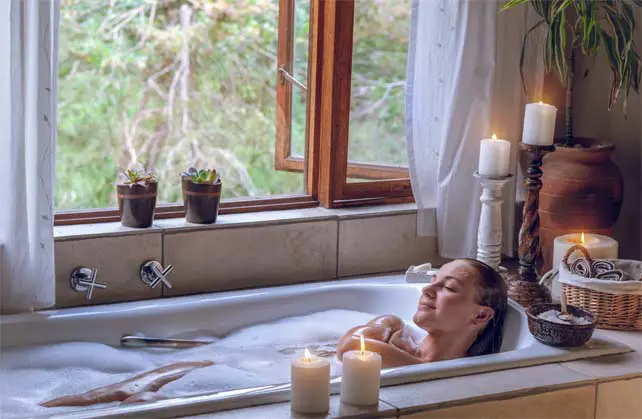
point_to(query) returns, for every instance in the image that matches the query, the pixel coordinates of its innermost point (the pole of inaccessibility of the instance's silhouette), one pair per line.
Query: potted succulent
(137, 198)
(201, 194)
(582, 187)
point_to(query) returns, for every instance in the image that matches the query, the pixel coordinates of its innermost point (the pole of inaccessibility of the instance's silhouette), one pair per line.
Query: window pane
(300, 72)
(380, 50)
(137, 86)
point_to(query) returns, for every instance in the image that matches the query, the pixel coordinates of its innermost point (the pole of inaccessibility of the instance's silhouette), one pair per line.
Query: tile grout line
(162, 260)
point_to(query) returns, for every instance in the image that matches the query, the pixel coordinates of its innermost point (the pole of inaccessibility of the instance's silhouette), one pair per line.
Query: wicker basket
(614, 311)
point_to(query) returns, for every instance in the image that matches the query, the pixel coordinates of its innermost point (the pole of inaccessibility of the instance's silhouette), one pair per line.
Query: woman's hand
(386, 335)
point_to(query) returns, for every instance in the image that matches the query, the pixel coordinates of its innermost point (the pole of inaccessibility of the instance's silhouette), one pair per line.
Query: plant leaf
(523, 53)
(629, 15)
(613, 61)
(512, 3)
(557, 47)
(541, 7)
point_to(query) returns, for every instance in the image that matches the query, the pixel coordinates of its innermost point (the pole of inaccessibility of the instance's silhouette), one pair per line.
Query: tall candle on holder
(310, 383)
(539, 124)
(361, 377)
(494, 157)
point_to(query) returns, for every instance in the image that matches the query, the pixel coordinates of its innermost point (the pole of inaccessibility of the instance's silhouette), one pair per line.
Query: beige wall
(593, 120)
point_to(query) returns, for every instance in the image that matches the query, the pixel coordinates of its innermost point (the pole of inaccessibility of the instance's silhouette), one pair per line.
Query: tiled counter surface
(608, 387)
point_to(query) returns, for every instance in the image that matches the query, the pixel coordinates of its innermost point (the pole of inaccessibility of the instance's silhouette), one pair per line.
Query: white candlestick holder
(489, 233)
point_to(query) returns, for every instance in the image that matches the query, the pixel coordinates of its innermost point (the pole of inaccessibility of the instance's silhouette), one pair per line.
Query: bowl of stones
(560, 325)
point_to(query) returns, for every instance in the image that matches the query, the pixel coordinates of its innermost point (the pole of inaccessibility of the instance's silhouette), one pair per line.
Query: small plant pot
(559, 334)
(201, 201)
(136, 204)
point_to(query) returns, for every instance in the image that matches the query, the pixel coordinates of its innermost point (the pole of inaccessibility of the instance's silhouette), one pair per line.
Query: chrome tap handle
(161, 276)
(152, 273)
(84, 280)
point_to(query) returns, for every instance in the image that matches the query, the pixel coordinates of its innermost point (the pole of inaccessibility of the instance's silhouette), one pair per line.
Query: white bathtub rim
(278, 393)
(227, 400)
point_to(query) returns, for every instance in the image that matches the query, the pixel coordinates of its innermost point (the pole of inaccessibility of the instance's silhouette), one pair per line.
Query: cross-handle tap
(152, 273)
(84, 280)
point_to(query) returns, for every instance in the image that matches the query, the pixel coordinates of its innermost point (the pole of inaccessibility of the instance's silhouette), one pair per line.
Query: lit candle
(310, 384)
(494, 157)
(361, 377)
(600, 247)
(539, 124)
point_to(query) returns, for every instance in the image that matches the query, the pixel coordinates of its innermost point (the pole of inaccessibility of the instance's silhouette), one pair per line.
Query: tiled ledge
(242, 251)
(252, 219)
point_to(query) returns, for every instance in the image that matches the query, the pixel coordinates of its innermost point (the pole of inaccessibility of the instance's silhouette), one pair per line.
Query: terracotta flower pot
(136, 204)
(581, 191)
(201, 201)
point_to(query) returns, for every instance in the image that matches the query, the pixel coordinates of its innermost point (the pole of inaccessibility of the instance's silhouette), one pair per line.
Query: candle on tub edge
(361, 377)
(600, 247)
(310, 384)
(494, 157)
(539, 124)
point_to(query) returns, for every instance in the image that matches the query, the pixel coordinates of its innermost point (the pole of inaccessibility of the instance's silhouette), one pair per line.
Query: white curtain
(463, 85)
(28, 74)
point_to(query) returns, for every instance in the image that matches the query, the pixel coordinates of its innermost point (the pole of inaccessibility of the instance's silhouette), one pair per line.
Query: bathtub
(224, 312)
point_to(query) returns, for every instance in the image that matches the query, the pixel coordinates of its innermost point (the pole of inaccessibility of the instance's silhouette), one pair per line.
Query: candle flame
(494, 137)
(307, 355)
(582, 238)
(363, 345)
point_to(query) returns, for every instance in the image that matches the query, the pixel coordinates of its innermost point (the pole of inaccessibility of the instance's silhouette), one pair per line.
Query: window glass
(148, 82)
(380, 50)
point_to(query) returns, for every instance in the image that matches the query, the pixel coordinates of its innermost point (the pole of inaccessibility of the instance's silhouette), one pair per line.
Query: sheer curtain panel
(28, 74)
(463, 85)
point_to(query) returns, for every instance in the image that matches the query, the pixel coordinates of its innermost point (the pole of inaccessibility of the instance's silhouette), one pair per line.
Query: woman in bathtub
(462, 310)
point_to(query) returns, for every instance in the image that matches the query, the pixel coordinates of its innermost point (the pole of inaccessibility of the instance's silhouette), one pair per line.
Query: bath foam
(253, 356)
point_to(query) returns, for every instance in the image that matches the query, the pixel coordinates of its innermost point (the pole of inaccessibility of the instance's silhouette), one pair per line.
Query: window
(256, 89)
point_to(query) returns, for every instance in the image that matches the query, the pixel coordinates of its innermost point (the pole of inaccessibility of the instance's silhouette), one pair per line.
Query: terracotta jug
(581, 191)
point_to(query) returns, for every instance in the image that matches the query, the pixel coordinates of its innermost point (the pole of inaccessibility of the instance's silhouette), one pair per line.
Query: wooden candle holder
(524, 286)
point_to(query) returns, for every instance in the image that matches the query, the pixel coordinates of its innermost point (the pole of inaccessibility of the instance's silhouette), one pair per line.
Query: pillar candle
(539, 124)
(361, 377)
(310, 384)
(494, 157)
(600, 247)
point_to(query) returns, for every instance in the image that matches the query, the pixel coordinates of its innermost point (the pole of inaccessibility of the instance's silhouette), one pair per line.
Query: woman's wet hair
(492, 293)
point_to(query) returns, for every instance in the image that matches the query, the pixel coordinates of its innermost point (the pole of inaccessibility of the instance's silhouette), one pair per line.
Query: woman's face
(450, 302)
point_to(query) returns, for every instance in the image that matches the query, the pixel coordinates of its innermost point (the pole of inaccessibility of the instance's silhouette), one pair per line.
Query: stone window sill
(264, 218)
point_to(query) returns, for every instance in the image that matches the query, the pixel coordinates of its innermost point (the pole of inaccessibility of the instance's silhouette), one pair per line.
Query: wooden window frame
(325, 167)
(334, 21)
(284, 160)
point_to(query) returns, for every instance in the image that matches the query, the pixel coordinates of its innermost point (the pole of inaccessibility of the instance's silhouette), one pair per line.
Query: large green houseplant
(582, 187)
(587, 26)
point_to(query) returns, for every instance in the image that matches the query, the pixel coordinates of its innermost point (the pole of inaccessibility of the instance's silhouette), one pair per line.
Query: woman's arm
(385, 335)
(149, 381)
(391, 356)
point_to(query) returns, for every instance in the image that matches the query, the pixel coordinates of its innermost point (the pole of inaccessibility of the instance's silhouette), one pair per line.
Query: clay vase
(201, 201)
(136, 204)
(581, 192)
